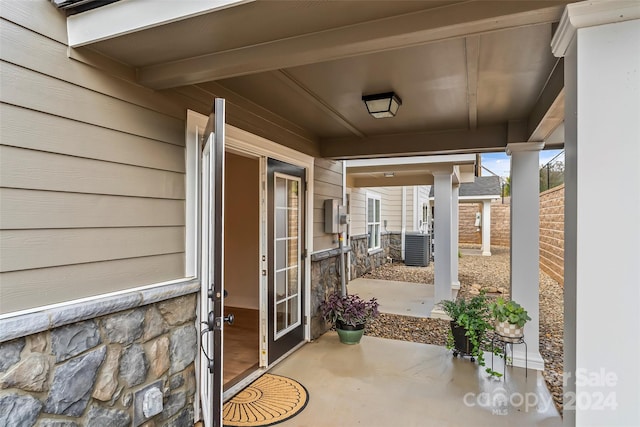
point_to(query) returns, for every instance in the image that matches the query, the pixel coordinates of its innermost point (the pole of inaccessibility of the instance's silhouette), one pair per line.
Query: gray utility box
(417, 249)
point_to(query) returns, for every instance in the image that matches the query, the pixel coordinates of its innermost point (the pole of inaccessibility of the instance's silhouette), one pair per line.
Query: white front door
(212, 262)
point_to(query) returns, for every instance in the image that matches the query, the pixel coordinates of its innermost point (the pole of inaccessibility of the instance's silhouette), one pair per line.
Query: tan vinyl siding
(327, 185)
(52, 209)
(37, 15)
(91, 171)
(357, 204)
(51, 285)
(391, 207)
(96, 143)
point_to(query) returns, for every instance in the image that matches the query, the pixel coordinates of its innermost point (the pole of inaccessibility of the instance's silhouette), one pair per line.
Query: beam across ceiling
(472, 51)
(365, 181)
(454, 21)
(490, 138)
(548, 112)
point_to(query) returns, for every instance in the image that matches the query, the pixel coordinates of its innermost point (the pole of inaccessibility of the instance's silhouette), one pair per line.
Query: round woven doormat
(268, 400)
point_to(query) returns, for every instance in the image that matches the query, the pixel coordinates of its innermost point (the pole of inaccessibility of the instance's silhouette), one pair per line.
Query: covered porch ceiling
(472, 75)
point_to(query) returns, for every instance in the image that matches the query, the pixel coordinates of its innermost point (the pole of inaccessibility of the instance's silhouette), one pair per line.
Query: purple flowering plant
(349, 310)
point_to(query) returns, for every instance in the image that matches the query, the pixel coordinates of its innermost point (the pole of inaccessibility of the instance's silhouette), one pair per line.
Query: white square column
(455, 233)
(525, 245)
(442, 230)
(486, 228)
(600, 43)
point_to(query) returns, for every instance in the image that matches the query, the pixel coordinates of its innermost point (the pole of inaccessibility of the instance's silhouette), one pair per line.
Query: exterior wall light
(382, 105)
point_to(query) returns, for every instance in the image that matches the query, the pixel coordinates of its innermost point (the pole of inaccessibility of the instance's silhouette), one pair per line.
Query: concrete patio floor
(404, 298)
(389, 383)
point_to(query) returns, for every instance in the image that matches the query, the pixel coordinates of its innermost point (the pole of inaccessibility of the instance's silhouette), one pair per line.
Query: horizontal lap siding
(91, 171)
(390, 207)
(51, 285)
(327, 185)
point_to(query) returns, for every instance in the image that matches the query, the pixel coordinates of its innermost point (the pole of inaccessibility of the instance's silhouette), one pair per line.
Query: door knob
(229, 318)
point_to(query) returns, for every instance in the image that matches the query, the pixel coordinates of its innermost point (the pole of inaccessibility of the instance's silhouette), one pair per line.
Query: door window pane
(281, 316)
(292, 252)
(281, 223)
(293, 310)
(293, 194)
(281, 285)
(292, 281)
(281, 192)
(281, 254)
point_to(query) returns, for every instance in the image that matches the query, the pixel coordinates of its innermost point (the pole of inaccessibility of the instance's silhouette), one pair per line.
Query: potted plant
(349, 314)
(510, 318)
(470, 321)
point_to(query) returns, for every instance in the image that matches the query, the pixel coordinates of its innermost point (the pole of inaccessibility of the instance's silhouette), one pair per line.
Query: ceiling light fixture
(382, 105)
(389, 174)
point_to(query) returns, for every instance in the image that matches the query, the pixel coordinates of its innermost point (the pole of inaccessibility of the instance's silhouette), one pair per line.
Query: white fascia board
(128, 16)
(455, 159)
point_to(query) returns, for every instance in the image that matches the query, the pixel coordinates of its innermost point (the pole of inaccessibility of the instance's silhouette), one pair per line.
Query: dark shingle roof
(483, 186)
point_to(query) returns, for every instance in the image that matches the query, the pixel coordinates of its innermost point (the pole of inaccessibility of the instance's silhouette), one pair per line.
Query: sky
(499, 162)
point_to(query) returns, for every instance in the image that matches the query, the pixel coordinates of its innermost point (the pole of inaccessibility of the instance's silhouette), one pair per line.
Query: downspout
(347, 227)
(404, 220)
(415, 208)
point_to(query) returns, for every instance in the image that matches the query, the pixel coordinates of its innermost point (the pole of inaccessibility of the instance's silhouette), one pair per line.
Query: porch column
(442, 229)
(525, 244)
(455, 233)
(486, 228)
(599, 43)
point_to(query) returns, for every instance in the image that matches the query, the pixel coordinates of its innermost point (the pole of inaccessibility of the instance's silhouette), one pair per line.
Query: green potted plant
(470, 320)
(510, 318)
(349, 314)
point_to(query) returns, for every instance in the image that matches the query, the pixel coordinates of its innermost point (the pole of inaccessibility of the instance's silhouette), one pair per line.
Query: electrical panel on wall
(335, 215)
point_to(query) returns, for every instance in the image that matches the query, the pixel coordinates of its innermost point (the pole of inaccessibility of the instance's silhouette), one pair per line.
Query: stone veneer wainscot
(85, 373)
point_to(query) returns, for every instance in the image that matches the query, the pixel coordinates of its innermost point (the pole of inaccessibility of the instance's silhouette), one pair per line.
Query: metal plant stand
(503, 341)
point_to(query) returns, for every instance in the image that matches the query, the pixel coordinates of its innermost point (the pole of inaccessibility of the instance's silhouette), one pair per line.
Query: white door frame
(246, 143)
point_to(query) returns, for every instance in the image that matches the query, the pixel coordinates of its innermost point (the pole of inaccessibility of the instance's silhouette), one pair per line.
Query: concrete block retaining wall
(467, 230)
(552, 233)
(551, 229)
(500, 223)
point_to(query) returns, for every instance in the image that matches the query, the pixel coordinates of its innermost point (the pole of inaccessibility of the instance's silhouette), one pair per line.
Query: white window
(373, 220)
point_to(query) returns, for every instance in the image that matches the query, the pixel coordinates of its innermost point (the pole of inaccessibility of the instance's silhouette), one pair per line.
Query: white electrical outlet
(147, 402)
(152, 402)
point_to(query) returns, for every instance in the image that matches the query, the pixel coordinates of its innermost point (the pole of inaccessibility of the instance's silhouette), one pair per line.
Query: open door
(286, 213)
(212, 264)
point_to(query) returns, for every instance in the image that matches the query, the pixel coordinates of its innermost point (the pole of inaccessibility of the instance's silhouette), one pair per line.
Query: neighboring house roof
(482, 187)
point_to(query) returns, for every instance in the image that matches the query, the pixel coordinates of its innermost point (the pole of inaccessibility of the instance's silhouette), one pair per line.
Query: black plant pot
(460, 339)
(461, 342)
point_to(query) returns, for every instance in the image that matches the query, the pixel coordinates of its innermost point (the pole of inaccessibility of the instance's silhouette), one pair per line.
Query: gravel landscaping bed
(478, 272)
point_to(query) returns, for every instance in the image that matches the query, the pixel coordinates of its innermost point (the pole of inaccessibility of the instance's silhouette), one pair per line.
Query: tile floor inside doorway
(389, 383)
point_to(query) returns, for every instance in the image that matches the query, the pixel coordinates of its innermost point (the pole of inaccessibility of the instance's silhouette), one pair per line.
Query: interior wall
(242, 228)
